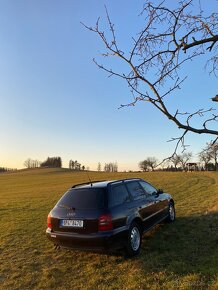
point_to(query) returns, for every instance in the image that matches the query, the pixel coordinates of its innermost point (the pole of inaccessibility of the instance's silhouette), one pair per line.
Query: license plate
(72, 223)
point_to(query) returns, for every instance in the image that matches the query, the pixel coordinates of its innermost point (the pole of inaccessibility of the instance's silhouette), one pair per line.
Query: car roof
(102, 184)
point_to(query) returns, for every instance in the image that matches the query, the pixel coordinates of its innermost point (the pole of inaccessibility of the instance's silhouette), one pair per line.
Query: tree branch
(213, 39)
(158, 54)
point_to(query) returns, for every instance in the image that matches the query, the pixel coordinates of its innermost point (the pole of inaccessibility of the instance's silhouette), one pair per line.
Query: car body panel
(99, 241)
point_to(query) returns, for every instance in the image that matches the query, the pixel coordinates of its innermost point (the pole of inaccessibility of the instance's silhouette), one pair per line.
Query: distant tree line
(5, 169)
(52, 162)
(49, 162)
(108, 167)
(75, 165)
(175, 163)
(111, 167)
(31, 163)
(208, 160)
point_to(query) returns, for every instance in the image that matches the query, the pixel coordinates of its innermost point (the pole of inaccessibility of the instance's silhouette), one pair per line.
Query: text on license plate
(72, 223)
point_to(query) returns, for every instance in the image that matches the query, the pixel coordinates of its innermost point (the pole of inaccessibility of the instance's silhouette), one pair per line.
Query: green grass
(181, 255)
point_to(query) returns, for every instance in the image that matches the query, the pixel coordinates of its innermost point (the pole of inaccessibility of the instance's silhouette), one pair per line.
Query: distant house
(192, 166)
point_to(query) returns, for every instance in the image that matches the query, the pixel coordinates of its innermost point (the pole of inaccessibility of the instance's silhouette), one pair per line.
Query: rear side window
(118, 195)
(135, 190)
(83, 198)
(148, 187)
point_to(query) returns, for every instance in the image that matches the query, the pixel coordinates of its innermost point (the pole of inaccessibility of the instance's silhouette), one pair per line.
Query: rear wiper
(66, 206)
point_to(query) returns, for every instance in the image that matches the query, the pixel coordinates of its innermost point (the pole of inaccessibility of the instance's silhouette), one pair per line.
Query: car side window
(118, 195)
(135, 190)
(149, 189)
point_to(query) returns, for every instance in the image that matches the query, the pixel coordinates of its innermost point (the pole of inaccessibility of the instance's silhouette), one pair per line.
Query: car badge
(71, 214)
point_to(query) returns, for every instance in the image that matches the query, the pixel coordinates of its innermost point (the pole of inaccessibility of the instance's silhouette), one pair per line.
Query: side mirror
(159, 191)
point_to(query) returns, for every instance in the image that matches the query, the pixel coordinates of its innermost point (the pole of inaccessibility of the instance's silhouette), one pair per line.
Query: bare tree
(99, 166)
(169, 39)
(148, 164)
(152, 161)
(111, 167)
(213, 151)
(205, 158)
(143, 165)
(30, 163)
(37, 163)
(115, 167)
(209, 154)
(184, 158)
(77, 166)
(175, 159)
(27, 163)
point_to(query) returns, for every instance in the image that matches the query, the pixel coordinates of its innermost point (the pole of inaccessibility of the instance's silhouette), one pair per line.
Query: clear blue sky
(55, 102)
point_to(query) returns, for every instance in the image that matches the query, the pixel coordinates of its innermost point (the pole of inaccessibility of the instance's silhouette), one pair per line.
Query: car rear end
(81, 219)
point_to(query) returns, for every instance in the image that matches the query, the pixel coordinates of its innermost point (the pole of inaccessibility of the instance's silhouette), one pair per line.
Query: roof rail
(110, 182)
(125, 179)
(86, 183)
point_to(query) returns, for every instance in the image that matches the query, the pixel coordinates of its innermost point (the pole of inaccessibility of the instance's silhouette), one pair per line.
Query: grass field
(181, 255)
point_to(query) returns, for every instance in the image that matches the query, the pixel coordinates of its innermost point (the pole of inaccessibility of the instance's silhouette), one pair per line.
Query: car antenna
(89, 177)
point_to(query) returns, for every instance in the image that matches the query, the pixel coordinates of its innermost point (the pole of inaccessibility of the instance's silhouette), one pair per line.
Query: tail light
(105, 223)
(49, 225)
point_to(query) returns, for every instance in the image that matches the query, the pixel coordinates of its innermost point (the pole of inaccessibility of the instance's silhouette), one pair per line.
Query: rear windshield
(83, 198)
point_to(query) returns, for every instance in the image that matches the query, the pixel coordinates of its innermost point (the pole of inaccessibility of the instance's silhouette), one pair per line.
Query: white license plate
(72, 223)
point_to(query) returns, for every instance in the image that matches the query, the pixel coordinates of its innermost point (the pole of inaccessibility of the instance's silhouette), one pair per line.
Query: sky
(54, 101)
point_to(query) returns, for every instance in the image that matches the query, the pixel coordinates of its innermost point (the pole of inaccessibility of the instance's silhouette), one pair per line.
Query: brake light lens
(49, 225)
(105, 223)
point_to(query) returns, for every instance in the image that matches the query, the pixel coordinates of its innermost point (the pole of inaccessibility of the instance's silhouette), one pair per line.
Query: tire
(134, 240)
(171, 213)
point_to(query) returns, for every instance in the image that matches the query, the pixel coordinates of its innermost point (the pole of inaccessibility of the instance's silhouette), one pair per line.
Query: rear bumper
(101, 241)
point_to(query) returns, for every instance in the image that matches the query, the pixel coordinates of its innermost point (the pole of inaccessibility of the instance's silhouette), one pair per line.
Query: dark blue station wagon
(108, 215)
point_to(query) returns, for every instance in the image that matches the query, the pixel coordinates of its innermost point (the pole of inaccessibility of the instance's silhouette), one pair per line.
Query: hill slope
(180, 255)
